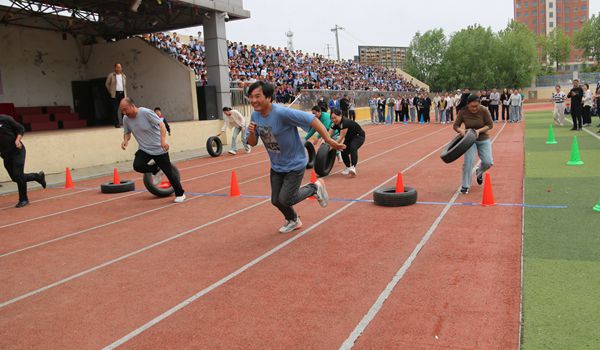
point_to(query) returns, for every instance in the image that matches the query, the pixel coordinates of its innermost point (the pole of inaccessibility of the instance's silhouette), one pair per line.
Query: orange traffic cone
(69, 180)
(313, 179)
(234, 189)
(399, 183)
(488, 193)
(116, 179)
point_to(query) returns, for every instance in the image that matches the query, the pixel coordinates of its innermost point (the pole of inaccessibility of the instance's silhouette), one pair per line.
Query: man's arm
(107, 83)
(489, 123)
(457, 124)
(126, 138)
(320, 128)
(163, 137)
(252, 139)
(17, 128)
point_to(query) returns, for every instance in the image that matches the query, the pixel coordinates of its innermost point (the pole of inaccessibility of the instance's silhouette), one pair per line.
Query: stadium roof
(115, 19)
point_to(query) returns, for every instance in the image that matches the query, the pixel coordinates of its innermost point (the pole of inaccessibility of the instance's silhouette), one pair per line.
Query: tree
(470, 59)
(557, 47)
(516, 56)
(425, 55)
(588, 38)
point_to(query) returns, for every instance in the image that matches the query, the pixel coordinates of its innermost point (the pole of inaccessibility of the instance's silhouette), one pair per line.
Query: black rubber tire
(211, 143)
(124, 186)
(154, 189)
(324, 160)
(310, 151)
(387, 197)
(458, 146)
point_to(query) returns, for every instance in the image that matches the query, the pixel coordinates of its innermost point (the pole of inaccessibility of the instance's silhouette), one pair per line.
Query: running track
(84, 270)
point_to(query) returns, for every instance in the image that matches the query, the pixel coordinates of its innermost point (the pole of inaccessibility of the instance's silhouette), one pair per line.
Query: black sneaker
(573, 129)
(42, 179)
(21, 204)
(464, 190)
(480, 179)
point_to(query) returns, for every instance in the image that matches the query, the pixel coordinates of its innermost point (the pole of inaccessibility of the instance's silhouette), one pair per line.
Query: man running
(478, 118)
(151, 135)
(277, 127)
(352, 136)
(12, 151)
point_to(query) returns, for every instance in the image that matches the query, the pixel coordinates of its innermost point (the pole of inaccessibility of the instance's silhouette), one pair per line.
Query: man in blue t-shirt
(277, 127)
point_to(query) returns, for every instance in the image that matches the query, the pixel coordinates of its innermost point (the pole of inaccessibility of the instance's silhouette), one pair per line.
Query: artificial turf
(561, 296)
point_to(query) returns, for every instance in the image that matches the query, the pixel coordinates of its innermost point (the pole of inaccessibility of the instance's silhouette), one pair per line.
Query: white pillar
(217, 67)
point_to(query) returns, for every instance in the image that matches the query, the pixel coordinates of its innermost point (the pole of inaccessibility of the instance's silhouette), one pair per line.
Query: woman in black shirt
(351, 135)
(12, 152)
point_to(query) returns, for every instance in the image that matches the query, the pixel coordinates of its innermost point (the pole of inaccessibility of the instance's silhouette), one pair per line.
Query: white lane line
(51, 197)
(166, 206)
(252, 263)
(586, 130)
(376, 307)
(80, 274)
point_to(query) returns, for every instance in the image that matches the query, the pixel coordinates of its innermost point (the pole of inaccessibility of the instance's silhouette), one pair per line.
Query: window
(533, 4)
(551, 4)
(551, 14)
(567, 19)
(526, 4)
(567, 29)
(583, 8)
(518, 5)
(543, 11)
(551, 25)
(533, 13)
(566, 10)
(583, 18)
(526, 14)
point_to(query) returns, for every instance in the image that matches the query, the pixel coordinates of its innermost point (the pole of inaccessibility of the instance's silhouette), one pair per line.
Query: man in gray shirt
(151, 135)
(494, 103)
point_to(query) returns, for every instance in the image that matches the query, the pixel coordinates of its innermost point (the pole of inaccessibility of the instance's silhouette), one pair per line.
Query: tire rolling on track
(124, 186)
(310, 151)
(153, 182)
(324, 160)
(214, 146)
(458, 146)
(387, 197)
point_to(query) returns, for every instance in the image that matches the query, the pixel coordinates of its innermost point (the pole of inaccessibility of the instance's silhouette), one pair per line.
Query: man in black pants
(576, 95)
(13, 153)
(351, 135)
(151, 135)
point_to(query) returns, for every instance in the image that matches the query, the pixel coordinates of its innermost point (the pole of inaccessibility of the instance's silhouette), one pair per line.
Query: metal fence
(566, 79)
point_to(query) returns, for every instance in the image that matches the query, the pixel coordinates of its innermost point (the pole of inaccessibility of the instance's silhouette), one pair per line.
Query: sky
(372, 22)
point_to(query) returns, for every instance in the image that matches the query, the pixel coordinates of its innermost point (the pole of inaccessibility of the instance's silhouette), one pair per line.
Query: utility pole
(328, 47)
(337, 40)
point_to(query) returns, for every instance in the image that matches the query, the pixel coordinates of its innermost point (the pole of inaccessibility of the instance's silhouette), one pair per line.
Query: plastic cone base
(597, 207)
(164, 184)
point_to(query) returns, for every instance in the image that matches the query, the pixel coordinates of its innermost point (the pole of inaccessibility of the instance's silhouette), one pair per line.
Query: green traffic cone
(597, 207)
(551, 138)
(575, 157)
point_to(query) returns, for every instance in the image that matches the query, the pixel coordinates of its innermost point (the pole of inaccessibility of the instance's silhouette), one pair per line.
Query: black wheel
(324, 160)
(153, 183)
(124, 186)
(310, 151)
(214, 146)
(458, 146)
(387, 197)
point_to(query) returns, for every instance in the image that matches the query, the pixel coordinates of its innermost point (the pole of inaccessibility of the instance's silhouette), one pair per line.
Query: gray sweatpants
(286, 191)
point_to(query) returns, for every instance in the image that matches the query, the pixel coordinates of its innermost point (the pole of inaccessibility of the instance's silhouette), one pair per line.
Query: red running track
(100, 274)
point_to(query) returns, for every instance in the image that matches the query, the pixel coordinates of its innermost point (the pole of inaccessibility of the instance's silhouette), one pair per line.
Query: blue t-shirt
(279, 133)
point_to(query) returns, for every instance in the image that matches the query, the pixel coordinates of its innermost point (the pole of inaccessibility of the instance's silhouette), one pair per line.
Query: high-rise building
(543, 16)
(386, 56)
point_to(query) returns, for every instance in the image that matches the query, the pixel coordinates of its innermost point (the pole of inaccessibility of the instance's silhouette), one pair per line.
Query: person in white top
(116, 85)
(514, 102)
(236, 121)
(559, 98)
(449, 107)
(588, 102)
(436, 105)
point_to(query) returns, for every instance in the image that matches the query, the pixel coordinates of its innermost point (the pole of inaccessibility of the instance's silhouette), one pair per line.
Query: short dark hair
(129, 100)
(316, 109)
(336, 111)
(226, 109)
(557, 86)
(156, 109)
(472, 98)
(266, 88)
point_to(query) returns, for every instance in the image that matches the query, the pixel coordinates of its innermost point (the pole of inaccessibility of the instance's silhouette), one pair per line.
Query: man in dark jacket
(12, 151)
(345, 106)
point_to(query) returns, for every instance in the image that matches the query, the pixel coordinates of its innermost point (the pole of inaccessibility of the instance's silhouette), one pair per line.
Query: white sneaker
(179, 199)
(249, 149)
(352, 171)
(322, 196)
(232, 152)
(346, 171)
(290, 226)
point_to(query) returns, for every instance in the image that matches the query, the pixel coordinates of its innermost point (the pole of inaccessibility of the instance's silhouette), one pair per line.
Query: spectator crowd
(288, 70)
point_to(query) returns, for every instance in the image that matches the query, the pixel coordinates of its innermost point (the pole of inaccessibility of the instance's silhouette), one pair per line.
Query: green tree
(516, 56)
(470, 59)
(588, 38)
(425, 55)
(557, 47)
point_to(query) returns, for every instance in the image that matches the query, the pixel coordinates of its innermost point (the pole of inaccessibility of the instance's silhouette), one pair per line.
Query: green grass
(561, 305)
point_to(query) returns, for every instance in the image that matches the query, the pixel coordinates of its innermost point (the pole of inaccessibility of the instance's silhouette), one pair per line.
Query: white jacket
(235, 120)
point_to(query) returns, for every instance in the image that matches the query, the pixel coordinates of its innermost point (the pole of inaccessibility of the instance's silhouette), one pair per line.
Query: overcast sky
(374, 22)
